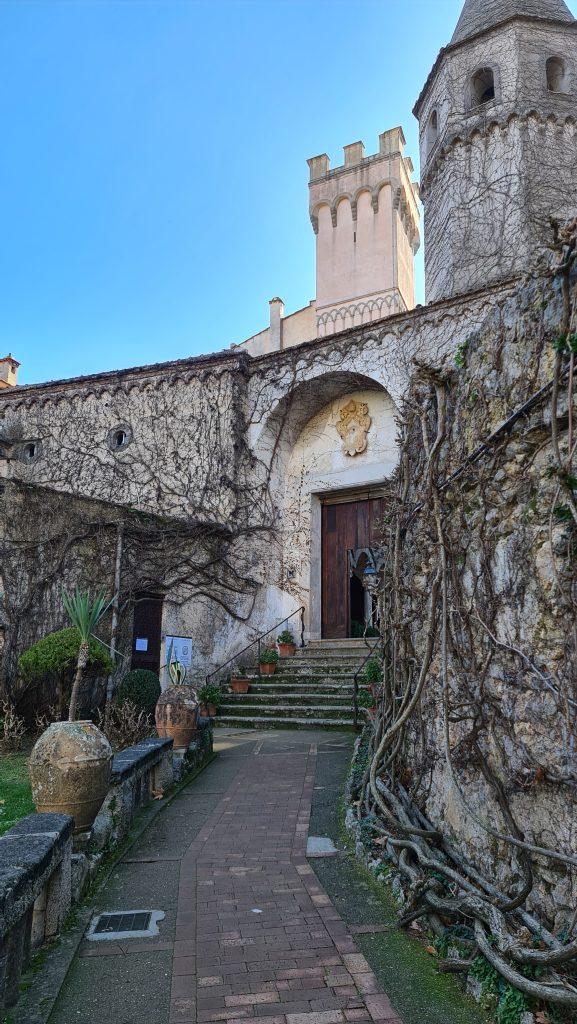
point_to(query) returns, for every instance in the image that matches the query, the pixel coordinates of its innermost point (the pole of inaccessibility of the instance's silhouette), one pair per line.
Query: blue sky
(153, 178)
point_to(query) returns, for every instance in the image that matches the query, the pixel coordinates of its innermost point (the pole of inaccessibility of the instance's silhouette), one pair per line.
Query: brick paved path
(256, 935)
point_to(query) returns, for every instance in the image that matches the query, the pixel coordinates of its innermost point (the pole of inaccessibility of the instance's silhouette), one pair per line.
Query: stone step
(302, 684)
(352, 644)
(317, 668)
(284, 711)
(291, 697)
(233, 721)
(332, 656)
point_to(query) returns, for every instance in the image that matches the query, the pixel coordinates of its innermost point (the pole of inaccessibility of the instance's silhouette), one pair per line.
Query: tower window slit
(556, 75)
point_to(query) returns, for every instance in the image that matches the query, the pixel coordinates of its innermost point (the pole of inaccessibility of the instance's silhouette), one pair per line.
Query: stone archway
(329, 439)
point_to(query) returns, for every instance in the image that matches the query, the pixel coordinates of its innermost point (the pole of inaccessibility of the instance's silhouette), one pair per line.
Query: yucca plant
(84, 612)
(177, 672)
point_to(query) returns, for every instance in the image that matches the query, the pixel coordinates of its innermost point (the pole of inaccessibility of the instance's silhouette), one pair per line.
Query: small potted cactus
(286, 644)
(238, 679)
(268, 661)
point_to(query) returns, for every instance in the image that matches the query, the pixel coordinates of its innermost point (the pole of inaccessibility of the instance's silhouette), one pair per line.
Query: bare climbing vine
(470, 782)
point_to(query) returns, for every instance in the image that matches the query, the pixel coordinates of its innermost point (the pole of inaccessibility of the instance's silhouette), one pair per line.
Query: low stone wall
(43, 874)
(35, 892)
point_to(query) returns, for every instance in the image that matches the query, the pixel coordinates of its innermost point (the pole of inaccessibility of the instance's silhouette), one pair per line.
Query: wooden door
(147, 632)
(346, 525)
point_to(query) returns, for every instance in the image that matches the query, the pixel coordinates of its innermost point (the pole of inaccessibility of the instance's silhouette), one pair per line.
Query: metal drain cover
(125, 924)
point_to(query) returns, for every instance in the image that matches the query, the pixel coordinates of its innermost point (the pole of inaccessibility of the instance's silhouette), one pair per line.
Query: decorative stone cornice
(481, 129)
(125, 381)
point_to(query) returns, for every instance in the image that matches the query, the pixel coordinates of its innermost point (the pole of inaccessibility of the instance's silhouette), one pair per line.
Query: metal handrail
(371, 654)
(258, 641)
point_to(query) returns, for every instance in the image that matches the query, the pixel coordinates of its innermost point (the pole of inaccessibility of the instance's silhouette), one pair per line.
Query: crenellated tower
(365, 216)
(498, 142)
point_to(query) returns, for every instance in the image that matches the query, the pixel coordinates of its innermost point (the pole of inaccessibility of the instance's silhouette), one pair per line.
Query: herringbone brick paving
(257, 938)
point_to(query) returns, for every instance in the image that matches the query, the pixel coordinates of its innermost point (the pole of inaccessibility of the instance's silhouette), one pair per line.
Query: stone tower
(498, 142)
(365, 216)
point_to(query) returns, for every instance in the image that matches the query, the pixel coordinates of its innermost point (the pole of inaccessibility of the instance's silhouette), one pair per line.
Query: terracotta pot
(176, 715)
(268, 670)
(286, 650)
(70, 771)
(208, 710)
(239, 685)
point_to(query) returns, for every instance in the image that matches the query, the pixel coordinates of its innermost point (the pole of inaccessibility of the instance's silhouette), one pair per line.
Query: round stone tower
(498, 142)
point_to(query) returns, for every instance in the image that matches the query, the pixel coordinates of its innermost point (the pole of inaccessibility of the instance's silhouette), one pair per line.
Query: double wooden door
(345, 526)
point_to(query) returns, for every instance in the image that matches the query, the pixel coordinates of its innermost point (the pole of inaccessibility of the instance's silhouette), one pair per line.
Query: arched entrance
(334, 449)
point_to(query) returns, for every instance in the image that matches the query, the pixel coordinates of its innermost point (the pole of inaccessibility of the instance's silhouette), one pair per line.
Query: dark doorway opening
(357, 606)
(345, 525)
(147, 631)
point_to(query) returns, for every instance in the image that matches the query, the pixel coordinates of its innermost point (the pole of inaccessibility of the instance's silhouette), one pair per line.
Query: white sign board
(179, 648)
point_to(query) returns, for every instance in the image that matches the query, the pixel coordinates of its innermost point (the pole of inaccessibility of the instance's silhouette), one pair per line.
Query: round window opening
(119, 438)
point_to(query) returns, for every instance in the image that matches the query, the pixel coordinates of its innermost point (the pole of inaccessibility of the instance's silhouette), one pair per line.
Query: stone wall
(149, 438)
(492, 742)
(200, 487)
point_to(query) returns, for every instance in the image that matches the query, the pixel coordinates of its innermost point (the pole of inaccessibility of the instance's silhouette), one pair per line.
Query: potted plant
(176, 711)
(210, 699)
(238, 679)
(71, 762)
(286, 644)
(268, 661)
(366, 699)
(373, 674)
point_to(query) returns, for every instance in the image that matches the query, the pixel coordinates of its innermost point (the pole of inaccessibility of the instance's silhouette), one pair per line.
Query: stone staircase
(311, 690)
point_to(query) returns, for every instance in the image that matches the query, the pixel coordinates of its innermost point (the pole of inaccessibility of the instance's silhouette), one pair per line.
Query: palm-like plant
(84, 612)
(177, 672)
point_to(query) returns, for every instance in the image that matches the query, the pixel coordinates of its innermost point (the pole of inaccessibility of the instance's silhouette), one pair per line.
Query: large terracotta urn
(70, 769)
(176, 715)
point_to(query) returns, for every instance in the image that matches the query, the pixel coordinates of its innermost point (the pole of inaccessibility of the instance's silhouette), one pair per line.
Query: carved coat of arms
(353, 426)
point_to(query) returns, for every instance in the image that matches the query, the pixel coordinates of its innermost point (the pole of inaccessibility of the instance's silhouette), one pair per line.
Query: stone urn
(70, 767)
(176, 715)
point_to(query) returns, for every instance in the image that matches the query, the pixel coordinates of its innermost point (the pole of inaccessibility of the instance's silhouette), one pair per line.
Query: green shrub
(48, 668)
(56, 656)
(268, 656)
(365, 698)
(373, 671)
(286, 637)
(210, 693)
(141, 687)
